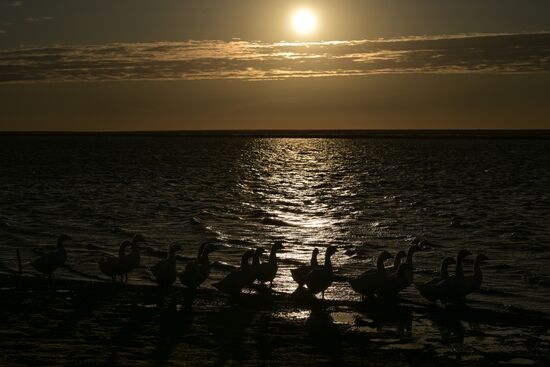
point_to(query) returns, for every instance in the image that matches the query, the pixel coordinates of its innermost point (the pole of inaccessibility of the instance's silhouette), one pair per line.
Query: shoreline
(101, 323)
(535, 134)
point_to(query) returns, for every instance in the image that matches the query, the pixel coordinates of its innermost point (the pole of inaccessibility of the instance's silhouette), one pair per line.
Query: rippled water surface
(363, 195)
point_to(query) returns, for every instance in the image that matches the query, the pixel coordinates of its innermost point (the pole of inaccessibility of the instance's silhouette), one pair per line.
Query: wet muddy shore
(82, 323)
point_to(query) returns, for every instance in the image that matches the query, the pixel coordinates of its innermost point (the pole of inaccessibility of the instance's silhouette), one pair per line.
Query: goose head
(210, 247)
(462, 254)
(277, 246)
(414, 248)
(258, 251)
(62, 239)
(246, 256)
(201, 248)
(405, 272)
(125, 244)
(174, 248)
(481, 257)
(400, 256)
(138, 238)
(331, 250)
(448, 261)
(383, 256)
(314, 255)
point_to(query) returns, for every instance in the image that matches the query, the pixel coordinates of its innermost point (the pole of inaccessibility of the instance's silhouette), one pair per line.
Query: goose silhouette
(49, 262)
(164, 271)
(299, 274)
(132, 260)
(430, 290)
(267, 271)
(319, 279)
(235, 281)
(473, 282)
(197, 271)
(453, 289)
(367, 283)
(111, 265)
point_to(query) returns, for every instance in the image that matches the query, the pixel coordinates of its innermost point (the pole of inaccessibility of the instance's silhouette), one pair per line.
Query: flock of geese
(383, 282)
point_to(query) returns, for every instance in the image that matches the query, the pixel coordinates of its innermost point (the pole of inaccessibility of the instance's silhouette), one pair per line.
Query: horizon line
(305, 133)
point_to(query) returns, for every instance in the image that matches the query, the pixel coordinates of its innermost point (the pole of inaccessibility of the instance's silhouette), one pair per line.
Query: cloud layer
(191, 60)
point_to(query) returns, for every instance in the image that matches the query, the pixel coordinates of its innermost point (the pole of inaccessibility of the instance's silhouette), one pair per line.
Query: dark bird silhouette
(235, 281)
(197, 271)
(132, 260)
(396, 282)
(299, 274)
(397, 261)
(255, 269)
(319, 279)
(453, 289)
(164, 271)
(430, 289)
(267, 271)
(112, 265)
(47, 263)
(410, 269)
(367, 283)
(473, 282)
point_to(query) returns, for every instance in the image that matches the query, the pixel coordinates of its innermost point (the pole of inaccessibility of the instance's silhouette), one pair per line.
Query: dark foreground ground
(77, 323)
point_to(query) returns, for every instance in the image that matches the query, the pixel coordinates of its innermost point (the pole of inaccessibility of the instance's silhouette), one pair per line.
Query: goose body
(267, 271)
(396, 282)
(132, 260)
(319, 279)
(164, 271)
(197, 271)
(299, 274)
(473, 282)
(49, 262)
(429, 290)
(368, 282)
(111, 265)
(235, 281)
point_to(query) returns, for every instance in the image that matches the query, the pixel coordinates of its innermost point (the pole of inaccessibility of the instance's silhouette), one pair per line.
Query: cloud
(37, 19)
(237, 59)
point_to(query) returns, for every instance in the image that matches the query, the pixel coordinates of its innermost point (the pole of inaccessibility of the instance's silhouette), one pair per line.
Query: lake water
(363, 195)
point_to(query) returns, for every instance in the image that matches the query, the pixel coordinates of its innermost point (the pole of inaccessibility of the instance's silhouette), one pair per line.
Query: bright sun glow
(304, 21)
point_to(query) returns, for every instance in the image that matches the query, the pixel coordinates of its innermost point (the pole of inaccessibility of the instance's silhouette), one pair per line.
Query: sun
(304, 21)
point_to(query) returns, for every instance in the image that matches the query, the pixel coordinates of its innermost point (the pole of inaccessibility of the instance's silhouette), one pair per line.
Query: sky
(134, 65)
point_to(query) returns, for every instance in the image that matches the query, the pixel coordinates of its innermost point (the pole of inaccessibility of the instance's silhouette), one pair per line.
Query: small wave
(81, 274)
(222, 265)
(240, 242)
(275, 222)
(499, 266)
(94, 247)
(536, 279)
(195, 220)
(121, 230)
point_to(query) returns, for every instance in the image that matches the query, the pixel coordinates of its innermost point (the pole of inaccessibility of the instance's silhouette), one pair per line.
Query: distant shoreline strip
(348, 134)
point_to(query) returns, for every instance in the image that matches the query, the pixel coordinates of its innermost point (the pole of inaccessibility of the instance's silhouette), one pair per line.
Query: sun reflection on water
(299, 190)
